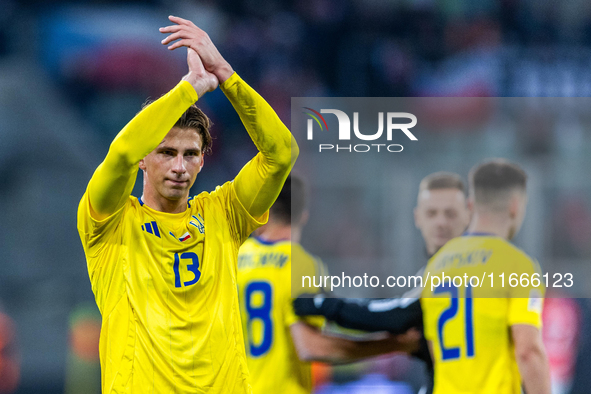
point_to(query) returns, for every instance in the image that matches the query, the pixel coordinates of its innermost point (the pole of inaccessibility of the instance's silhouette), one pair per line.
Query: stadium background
(73, 73)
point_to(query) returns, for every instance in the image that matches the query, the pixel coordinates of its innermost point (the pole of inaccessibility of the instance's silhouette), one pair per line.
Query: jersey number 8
(262, 313)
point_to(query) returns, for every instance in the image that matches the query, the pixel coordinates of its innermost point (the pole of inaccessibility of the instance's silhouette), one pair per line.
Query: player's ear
(142, 165)
(470, 205)
(514, 205)
(202, 161)
(469, 212)
(304, 218)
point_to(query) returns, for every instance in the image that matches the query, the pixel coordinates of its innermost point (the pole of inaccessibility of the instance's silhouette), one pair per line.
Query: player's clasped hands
(207, 64)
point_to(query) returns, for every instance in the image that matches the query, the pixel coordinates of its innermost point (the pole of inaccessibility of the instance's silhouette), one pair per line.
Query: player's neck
(489, 223)
(279, 232)
(161, 204)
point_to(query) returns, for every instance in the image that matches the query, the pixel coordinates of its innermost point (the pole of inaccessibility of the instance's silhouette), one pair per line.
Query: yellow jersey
(165, 284)
(167, 281)
(264, 286)
(469, 326)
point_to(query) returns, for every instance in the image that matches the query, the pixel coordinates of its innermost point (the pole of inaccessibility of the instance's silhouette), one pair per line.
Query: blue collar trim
(479, 234)
(265, 242)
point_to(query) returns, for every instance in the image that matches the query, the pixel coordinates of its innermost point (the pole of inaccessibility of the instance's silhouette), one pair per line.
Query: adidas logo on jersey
(151, 228)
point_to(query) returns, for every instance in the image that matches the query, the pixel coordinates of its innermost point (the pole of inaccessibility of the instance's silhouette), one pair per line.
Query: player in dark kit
(441, 214)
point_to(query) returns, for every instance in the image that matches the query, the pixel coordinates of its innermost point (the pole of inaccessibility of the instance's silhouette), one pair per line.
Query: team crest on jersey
(151, 228)
(198, 222)
(536, 301)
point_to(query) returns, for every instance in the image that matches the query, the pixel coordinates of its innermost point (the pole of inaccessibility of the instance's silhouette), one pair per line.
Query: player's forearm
(113, 180)
(340, 350)
(271, 137)
(396, 318)
(535, 371)
(355, 350)
(149, 127)
(395, 315)
(260, 181)
(312, 345)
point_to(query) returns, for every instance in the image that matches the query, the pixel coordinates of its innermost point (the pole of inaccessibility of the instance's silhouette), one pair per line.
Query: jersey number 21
(453, 353)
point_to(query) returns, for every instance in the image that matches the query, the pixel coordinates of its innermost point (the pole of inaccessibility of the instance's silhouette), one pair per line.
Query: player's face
(170, 169)
(441, 215)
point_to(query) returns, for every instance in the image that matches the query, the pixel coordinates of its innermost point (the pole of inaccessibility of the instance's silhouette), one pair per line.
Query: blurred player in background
(276, 339)
(441, 214)
(163, 267)
(487, 345)
(9, 356)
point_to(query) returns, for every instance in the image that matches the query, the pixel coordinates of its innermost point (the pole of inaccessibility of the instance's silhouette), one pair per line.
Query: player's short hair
(493, 181)
(194, 118)
(442, 180)
(291, 202)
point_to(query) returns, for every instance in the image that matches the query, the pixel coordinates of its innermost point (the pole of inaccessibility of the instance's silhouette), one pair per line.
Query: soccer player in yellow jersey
(163, 266)
(441, 214)
(487, 339)
(279, 345)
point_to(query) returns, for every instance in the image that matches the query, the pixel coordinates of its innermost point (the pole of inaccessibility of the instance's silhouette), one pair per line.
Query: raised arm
(258, 184)
(113, 180)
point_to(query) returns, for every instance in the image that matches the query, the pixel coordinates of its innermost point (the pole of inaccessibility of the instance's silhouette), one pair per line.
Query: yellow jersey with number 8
(265, 283)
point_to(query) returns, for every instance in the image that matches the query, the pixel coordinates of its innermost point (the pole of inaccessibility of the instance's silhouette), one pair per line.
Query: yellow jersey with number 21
(469, 326)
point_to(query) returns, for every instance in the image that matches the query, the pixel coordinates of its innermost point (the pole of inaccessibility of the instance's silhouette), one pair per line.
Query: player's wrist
(195, 83)
(199, 82)
(223, 72)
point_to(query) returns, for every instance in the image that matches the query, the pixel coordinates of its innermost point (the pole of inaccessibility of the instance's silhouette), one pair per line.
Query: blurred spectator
(9, 357)
(83, 371)
(561, 324)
